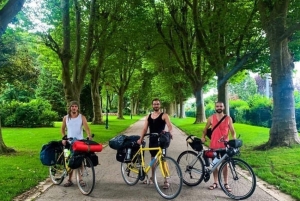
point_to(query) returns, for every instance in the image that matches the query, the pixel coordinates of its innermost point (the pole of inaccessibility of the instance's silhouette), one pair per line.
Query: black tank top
(156, 125)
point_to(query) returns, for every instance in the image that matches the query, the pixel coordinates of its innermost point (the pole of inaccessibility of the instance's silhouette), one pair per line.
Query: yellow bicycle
(85, 174)
(166, 169)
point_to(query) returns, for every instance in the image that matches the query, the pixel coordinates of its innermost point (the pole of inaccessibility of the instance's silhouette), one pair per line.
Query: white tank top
(74, 127)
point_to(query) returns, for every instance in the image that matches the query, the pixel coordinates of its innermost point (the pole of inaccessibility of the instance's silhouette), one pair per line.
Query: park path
(111, 187)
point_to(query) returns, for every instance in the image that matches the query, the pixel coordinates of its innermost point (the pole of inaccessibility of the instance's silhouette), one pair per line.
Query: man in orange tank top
(220, 132)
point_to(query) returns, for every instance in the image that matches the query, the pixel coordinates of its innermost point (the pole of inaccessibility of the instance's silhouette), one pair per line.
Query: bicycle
(241, 178)
(85, 174)
(165, 170)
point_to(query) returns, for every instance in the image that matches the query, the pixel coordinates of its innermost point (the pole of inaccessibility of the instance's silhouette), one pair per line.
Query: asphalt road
(110, 185)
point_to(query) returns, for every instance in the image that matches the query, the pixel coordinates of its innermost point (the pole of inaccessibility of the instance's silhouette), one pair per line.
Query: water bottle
(66, 153)
(214, 162)
(66, 156)
(128, 154)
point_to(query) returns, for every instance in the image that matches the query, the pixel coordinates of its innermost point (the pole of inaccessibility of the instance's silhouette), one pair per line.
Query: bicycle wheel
(192, 168)
(85, 176)
(169, 186)
(58, 171)
(130, 171)
(241, 179)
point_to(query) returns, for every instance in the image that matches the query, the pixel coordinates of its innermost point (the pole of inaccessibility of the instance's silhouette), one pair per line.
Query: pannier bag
(121, 154)
(50, 152)
(94, 158)
(195, 143)
(117, 142)
(236, 143)
(86, 146)
(164, 140)
(75, 160)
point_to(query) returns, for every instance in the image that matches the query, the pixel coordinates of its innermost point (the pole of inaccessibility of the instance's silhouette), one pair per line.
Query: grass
(279, 166)
(23, 170)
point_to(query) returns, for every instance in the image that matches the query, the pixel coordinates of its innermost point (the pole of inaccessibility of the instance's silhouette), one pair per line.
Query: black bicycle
(240, 182)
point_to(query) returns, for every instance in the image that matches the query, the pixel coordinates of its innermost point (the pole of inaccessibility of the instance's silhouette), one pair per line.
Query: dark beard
(156, 109)
(219, 111)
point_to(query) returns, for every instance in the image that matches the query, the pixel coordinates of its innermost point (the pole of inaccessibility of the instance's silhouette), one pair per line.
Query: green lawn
(23, 170)
(278, 166)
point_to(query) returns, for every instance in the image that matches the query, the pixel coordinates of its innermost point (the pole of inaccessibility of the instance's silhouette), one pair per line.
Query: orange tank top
(219, 132)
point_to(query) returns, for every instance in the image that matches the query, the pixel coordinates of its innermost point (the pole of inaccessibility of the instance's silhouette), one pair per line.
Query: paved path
(111, 187)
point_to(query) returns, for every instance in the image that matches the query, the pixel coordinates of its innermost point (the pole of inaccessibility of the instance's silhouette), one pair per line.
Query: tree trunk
(181, 109)
(200, 111)
(120, 105)
(283, 131)
(97, 109)
(8, 12)
(3, 148)
(223, 94)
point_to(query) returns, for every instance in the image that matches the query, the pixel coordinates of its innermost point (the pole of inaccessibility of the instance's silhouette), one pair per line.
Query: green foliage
(238, 90)
(238, 109)
(36, 113)
(209, 108)
(259, 101)
(51, 89)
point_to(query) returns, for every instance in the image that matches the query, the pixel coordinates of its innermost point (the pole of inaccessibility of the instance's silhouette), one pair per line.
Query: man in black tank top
(156, 122)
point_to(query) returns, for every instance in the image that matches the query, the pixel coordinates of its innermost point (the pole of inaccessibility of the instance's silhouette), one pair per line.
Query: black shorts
(220, 154)
(153, 142)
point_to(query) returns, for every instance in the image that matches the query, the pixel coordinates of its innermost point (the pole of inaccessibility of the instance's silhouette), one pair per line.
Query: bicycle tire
(85, 177)
(241, 179)
(130, 171)
(192, 174)
(58, 171)
(174, 178)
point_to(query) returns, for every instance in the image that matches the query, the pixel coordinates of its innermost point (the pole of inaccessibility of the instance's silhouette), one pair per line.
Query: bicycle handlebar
(65, 137)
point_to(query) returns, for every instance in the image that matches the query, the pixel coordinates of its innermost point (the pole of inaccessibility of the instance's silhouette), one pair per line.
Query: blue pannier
(49, 152)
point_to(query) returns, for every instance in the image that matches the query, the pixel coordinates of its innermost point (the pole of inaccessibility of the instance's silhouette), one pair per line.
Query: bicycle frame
(225, 156)
(158, 157)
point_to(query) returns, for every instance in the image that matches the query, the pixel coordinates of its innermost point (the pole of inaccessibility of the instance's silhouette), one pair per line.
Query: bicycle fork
(165, 168)
(233, 170)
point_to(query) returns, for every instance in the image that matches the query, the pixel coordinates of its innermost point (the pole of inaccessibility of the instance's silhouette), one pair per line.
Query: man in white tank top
(72, 123)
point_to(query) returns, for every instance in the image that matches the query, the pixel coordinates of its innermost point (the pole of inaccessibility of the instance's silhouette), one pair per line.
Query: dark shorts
(220, 154)
(153, 142)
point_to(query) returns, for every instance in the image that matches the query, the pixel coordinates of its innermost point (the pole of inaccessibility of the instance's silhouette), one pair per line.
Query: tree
(18, 75)
(179, 33)
(274, 16)
(131, 46)
(77, 41)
